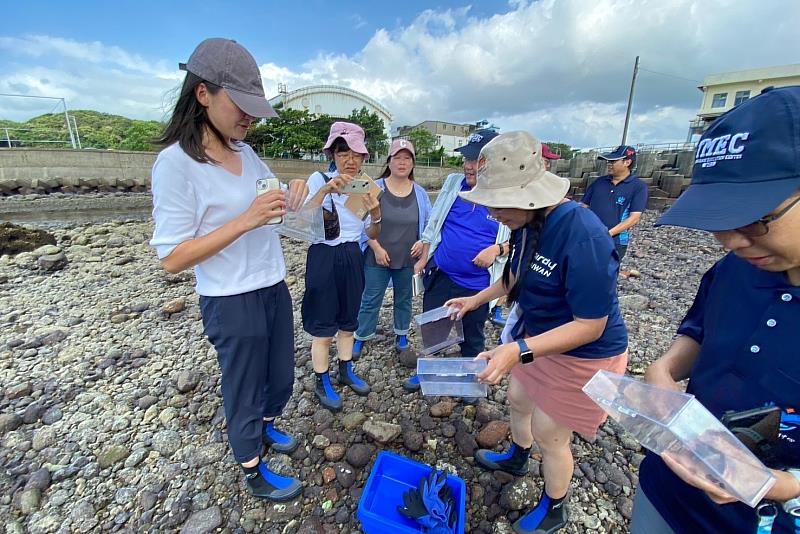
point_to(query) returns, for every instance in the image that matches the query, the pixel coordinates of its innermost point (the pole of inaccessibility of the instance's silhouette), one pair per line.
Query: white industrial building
(331, 100)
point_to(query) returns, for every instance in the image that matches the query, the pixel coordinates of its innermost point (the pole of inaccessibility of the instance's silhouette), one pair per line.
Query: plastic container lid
(664, 420)
(438, 330)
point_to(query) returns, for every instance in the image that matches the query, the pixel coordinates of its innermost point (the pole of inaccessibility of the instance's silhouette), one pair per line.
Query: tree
(374, 129)
(423, 140)
(141, 135)
(292, 133)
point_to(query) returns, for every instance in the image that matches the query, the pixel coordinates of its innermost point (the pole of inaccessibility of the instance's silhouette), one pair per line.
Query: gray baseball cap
(226, 63)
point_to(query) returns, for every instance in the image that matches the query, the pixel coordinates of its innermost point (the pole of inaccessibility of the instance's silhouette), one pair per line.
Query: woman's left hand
(298, 191)
(486, 257)
(500, 361)
(416, 249)
(714, 492)
(371, 204)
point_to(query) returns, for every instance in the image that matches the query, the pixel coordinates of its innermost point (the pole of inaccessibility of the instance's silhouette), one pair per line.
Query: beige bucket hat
(511, 175)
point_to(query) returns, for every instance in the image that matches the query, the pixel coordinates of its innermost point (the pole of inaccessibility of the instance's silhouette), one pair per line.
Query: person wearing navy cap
(463, 249)
(619, 198)
(738, 344)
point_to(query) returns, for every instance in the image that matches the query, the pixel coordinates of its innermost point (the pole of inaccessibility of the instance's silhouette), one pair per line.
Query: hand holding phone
(265, 185)
(356, 186)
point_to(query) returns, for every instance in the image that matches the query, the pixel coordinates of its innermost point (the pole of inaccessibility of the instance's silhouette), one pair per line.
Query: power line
(670, 75)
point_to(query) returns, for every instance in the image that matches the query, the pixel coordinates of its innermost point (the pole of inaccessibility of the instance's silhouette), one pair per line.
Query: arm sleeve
(587, 195)
(591, 278)
(639, 200)
(175, 206)
(692, 324)
(315, 183)
(436, 214)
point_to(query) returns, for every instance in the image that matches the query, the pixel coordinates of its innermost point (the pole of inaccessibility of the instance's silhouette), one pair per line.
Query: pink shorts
(554, 385)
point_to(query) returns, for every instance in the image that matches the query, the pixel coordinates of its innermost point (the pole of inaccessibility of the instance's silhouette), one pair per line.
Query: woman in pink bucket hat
(562, 275)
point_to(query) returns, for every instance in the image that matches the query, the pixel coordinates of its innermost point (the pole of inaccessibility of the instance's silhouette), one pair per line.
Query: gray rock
(634, 302)
(18, 390)
(345, 474)
(166, 442)
(359, 455)
(147, 401)
(381, 431)
(111, 455)
(43, 438)
(125, 495)
(52, 262)
(40, 479)
(517, 495)
(52, 415)
(9, 422)
(413, 440)
(30, 500)
(187, 381)
(320, 441)
(353, 420)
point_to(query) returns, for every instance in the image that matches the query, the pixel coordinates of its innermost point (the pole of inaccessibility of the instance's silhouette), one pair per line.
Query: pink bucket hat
(549, 154)
(352, 134)
(402, 144)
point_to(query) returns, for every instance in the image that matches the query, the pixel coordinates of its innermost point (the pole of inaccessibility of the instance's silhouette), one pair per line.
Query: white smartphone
(264, 185)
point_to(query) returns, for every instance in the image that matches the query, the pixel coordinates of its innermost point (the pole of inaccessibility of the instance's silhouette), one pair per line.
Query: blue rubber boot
(348, 377)
(412, 383)
(358, 346)
(325, 393)
(400, 343)
(549, 516)
(497, 317)
(266, 484)
(279, 441)
(514, 460)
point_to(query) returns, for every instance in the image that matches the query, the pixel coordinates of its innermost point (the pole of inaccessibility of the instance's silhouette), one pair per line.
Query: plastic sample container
(664, 420)
(391, 476)
(305, 224)
(437, 330)
(451, 377)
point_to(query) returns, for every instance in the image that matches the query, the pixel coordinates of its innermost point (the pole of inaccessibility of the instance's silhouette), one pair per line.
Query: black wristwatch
(525, 352)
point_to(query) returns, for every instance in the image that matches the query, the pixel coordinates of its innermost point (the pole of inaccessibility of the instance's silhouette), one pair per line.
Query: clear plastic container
(451, 377)
(438, 330)
(664, 420)
(305, 224)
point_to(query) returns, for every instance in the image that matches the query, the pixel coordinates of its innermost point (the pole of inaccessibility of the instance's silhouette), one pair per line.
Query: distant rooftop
(765, 73)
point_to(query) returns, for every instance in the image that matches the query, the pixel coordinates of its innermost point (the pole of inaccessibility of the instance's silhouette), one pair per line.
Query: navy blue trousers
(253, 334)
(441, 288)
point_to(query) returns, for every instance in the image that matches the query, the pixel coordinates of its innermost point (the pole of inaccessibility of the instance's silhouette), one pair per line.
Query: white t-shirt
(350, 226)
(192, 199)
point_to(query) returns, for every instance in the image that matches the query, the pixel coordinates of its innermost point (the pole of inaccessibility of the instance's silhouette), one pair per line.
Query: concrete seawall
(31, 171)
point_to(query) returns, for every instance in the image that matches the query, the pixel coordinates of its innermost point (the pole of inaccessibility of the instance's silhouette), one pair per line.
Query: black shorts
(621, 250)
(334, 284)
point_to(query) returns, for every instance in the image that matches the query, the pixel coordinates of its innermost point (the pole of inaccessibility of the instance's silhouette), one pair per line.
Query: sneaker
(358, 346)
(325, 393)
(400, 343)
(543, 519)
(514, 460)
(412, 383)
(266, 484)
(279, 441)
(348, 377)
(497, 317)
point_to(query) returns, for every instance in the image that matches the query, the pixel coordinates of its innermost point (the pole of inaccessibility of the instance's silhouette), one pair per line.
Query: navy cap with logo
(621, 152)
(746, 164)
(475, 143)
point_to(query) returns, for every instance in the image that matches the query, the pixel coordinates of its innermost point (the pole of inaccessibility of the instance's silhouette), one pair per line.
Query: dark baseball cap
(226, 63)
(476, 141)
(621, 152)
(746, 164)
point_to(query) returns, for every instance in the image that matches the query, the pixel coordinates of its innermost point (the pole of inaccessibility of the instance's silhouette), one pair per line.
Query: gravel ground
(111, 420)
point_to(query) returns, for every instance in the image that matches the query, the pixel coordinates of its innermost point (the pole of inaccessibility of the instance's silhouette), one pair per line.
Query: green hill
(96, 130)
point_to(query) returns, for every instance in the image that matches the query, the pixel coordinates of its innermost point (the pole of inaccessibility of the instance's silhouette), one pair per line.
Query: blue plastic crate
(391, 476)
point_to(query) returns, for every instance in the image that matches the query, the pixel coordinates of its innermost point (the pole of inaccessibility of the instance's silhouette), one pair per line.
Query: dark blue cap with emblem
(476, 142)
(746, 164)
(621, 152)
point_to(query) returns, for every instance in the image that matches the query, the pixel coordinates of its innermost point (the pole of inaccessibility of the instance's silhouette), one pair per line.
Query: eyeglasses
(761, 226)
(349, 155)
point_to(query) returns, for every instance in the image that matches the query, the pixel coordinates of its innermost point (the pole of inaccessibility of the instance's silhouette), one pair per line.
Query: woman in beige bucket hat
(562, 274)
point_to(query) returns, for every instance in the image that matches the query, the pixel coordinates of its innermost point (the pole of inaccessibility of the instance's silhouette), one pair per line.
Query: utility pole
(630, 101)
(69, 125)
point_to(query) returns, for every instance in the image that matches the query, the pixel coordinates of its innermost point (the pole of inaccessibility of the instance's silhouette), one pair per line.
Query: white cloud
(560, 68)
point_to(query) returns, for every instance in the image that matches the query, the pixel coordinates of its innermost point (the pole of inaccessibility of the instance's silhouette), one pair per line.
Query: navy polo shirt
(573, 274)
(615, 203)
(467, 230)
(747, 322)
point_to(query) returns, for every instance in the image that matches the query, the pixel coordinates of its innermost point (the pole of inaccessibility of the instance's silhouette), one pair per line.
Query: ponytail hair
(531, 233)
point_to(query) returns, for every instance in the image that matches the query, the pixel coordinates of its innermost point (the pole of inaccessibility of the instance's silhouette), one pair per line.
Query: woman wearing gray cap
(562, 274)
(208, 215)
(738, 344)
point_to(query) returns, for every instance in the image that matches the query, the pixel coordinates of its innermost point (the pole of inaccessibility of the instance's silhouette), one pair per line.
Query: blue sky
(557, 68)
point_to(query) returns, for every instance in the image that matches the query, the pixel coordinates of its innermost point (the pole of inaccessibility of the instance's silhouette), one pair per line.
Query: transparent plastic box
(438, 330)
(663, 420)
(305, 224)
(451, 377)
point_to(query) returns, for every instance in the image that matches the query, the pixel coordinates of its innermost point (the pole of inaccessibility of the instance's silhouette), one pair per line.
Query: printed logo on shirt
(620, 201)
(724, 147)
(543, 265)
(475, 138)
